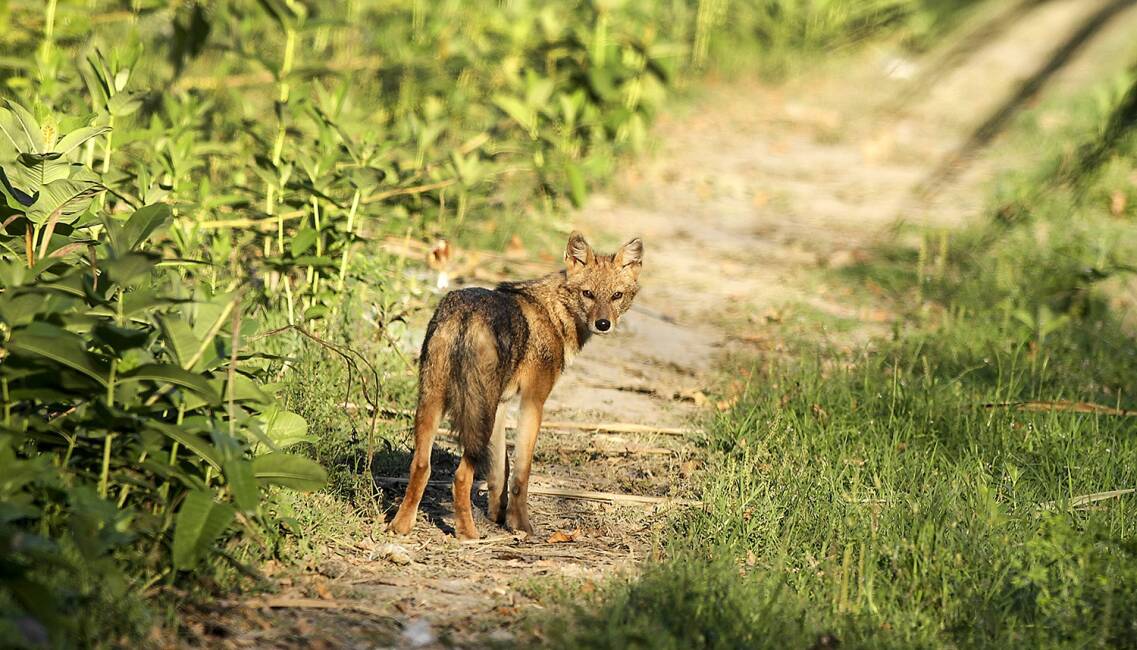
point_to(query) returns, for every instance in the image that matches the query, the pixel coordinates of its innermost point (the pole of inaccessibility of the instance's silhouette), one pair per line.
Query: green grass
(873, 498)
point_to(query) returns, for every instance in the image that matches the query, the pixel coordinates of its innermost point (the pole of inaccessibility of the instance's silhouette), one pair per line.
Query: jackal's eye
(588, 294)
(617, 295)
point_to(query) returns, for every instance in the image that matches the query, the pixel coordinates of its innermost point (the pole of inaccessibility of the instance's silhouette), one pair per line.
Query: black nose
(603, 325)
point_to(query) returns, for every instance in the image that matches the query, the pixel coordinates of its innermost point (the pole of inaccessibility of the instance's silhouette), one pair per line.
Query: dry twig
(567, 493)
(1063, 406)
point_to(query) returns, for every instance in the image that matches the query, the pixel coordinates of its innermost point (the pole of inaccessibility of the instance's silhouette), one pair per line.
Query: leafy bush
(136, 430)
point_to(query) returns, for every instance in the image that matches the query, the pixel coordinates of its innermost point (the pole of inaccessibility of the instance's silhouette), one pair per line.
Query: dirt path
(754, 192)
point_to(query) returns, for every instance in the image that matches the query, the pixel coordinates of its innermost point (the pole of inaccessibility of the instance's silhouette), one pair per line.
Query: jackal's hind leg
(463, 508)
(497, 482)
(426, 425)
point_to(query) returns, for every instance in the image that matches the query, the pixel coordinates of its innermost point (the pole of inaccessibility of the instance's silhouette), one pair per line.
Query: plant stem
(231, 391)
(288, 299)
(347, 246)
(286, 63)
(7, 402)
(105, 474)
(125, 492)
(110, 146)
(49, 27)
(30, 236)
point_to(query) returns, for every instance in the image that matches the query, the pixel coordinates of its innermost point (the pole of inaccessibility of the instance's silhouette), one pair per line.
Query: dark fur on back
(487, 335)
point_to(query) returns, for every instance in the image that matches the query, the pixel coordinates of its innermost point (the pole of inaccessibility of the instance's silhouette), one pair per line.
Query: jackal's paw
(464, 533)
(518, 522)
(496, 512)
(401, 525)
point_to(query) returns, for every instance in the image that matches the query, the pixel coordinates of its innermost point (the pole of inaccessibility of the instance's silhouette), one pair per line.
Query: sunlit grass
(896, 497)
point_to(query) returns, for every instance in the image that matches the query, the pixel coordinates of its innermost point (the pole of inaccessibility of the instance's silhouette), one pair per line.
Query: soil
(754, 195)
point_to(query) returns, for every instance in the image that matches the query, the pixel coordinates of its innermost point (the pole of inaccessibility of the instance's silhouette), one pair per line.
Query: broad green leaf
(199, 522)
(289, 470)
(143, 223)
(16, 198)
(203, 448)
(179, 338)
(122, 270)
(242, 483)
(244, 389)
(118, 338)
(21, 128)
(63, 348)
(62, 198)
(302, 241)
(285, 428)
(39, 169)
(165, 373)
(73, 140)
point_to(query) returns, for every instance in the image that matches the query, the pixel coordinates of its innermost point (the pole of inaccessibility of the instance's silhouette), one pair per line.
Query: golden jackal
(483, 347)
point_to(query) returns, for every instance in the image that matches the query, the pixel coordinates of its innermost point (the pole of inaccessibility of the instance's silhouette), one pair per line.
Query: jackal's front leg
(529, 423)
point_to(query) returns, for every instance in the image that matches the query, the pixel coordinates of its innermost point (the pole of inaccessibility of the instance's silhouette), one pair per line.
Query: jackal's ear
(631, 255)
(578, 253)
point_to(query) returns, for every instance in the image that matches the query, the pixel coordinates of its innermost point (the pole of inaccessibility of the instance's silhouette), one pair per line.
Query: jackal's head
(601, 287)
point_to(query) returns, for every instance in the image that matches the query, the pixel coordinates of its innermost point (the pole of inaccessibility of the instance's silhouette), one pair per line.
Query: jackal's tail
(460, 365)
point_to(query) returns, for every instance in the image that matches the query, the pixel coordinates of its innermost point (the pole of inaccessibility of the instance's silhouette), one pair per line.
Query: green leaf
(302, 241)
(203, 448)
(142, 224)
(73, 140)
(289, 470)
(62, 198)
(170, 374)
(287, 15)
(21, 127)
(63, 348)
(243, 484)
(199, 522)
(123, 104)
(16, 198)
(522, 114)
(315, 312)
(285, 428)
(118, 338)
(179, 338)
(245, 389)
(577, 190)
(121, 270)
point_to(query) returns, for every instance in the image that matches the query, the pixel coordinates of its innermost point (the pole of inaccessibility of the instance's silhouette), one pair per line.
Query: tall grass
(896, 497)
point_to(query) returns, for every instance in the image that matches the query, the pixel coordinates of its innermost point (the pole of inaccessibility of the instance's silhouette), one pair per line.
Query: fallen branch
(604, 427)
(582, 495)
(1086, 499)
(621, 427)
(1063, 406)
(309, 603)
(618, 450)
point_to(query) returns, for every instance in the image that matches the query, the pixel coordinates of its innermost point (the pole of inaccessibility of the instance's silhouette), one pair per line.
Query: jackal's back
(474, 345)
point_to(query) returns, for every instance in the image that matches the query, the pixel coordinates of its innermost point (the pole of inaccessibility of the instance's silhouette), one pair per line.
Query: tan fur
(483, 347)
